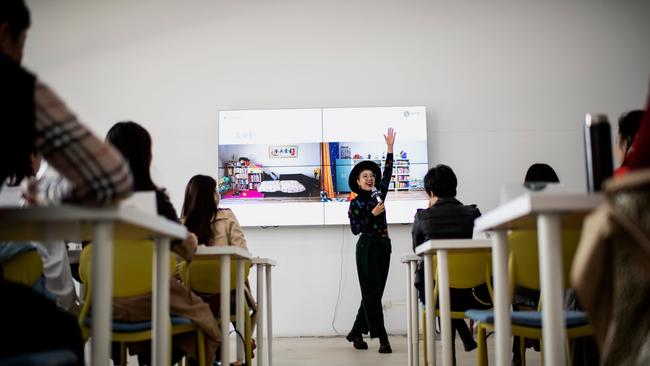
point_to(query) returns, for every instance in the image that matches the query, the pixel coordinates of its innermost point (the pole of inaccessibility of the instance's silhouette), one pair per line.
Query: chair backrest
(24, 268)
(467, 269)
(203, 275)
(523, 263)
(132, 267)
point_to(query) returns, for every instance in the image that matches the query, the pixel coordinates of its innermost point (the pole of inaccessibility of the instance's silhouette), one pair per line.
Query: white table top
(410, 257)
(520, 212)
(265, 261)
(74, 223)
(205, 252)
(431, 246)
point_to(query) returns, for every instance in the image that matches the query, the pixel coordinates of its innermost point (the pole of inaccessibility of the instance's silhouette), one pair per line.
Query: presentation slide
(291, 166)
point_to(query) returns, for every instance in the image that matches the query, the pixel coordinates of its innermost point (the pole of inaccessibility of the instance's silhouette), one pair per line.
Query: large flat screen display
(291, 166)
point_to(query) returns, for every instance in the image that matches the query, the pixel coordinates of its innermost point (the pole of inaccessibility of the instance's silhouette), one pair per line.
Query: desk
(102, 226)
(264, 266)
(225, 253)
(548, 213)
(412, 330)
(442, 247)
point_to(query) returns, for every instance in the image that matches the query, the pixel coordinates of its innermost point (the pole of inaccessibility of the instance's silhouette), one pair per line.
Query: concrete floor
(336, 351)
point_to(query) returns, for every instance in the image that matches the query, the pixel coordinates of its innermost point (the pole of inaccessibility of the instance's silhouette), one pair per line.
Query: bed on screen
(290, 185)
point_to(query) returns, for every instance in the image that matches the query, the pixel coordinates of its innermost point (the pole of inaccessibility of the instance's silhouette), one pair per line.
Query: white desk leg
(240, 310)
(430, 310)
(225, 309)
(260, 315)
(160, 305)
(503, 330)
(550, 264)
(102, 275)
(415, 327)
(269, 317)
(409, 323)
(445, 307)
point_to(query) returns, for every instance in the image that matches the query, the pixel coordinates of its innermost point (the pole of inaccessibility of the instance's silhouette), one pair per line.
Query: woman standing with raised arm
(368, 218)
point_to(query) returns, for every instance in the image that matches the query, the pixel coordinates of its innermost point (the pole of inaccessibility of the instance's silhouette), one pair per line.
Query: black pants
(373, 261)
(462, 300)
(32, 323)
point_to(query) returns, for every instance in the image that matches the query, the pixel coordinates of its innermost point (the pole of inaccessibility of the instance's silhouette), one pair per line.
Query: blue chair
(47, 358)
(523, 268)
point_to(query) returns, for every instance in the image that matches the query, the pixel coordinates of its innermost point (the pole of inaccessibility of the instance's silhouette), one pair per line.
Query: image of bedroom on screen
(270, 155)
(285, 172)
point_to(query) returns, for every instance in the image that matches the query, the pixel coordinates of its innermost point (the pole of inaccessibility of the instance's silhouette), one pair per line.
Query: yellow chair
(523, 270)
(203, 275)
(467, 269)
(24, 268)
(132, 272)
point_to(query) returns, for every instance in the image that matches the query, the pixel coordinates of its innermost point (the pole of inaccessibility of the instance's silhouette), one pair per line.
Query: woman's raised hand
(390, 139)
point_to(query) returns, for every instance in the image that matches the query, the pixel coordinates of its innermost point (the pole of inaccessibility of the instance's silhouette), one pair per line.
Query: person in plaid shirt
(35, 120)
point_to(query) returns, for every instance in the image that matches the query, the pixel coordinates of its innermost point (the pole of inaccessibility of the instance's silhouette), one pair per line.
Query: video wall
(291, 166)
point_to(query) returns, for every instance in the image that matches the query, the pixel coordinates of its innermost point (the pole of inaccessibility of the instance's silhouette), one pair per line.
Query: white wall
(506, 83)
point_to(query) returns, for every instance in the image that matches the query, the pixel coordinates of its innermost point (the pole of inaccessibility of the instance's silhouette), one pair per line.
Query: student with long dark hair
(134, 142)
(201, 214)
(213, 226)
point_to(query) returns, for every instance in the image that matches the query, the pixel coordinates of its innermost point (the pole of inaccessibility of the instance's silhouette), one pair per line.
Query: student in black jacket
(448, 218)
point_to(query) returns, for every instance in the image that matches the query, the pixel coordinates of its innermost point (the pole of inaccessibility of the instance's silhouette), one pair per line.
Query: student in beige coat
(201, 214)
(213, 226)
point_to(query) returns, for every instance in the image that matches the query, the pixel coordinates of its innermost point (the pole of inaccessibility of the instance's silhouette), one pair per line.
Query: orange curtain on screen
(326, 170)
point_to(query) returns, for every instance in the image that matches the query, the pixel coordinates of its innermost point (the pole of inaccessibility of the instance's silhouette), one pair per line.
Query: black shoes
(384, 345)
(385, 348)
(357, 341)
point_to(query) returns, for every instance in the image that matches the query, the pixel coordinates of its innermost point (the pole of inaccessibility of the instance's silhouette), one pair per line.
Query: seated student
(35, 119)
(134, 142)
(628, 126)
(201, 214)
(56, 281)
(213, 226)
(611, 271)
(57, 273)
(448, 218)
(639, 154)
(38, 121)
(537, 177)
